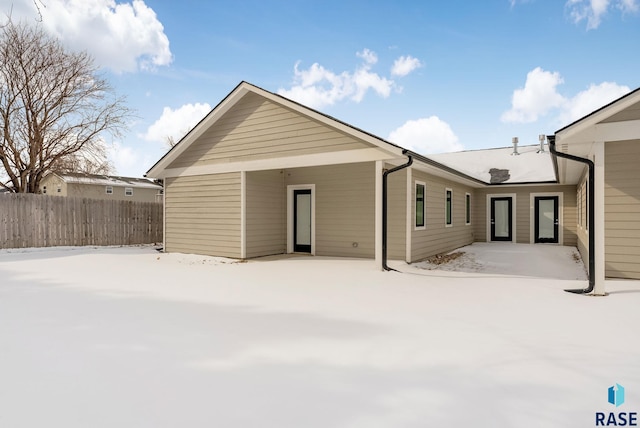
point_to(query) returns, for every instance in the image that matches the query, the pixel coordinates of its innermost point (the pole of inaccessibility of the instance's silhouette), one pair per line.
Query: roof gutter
(442, 167)
(591, 208)
(384, 207)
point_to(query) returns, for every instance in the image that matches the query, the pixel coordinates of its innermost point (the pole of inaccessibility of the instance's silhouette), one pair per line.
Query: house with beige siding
(101, 187)
(262, 175)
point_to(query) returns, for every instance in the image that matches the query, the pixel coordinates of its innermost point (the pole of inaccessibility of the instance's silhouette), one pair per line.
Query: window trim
(417, 183)
(108, 190)
(467, 209)
(128, 191)
(448, 203)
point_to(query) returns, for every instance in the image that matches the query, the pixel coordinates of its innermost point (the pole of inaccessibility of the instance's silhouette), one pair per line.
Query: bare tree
(86, 161)
(54, 107)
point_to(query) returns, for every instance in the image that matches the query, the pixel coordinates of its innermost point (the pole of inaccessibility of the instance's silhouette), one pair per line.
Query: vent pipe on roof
(542, 138)
(514, 140)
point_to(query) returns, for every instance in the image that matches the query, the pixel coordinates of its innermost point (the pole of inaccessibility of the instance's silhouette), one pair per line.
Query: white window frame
(424, 205)
(108, 190)
(128, 191)
(448, 190)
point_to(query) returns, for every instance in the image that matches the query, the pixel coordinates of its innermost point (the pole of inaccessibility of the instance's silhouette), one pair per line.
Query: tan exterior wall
(53, 185)
(437, 237)
(622, 209)
(100, 192)
(523, 217)
(265, 213)
(344, 209)
(202, 215)
(256, 128)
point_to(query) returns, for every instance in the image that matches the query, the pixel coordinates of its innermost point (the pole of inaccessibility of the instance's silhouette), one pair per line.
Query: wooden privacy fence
(28, 220)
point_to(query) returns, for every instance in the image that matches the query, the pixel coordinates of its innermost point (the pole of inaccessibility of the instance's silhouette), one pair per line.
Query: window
(109, 190)
(420, 206)
(59, 190)
(448, 208)
(44, 189)
(467, 209)
(128, 191)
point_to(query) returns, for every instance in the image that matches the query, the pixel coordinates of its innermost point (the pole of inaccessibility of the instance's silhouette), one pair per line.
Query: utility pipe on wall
(384, 207)
(591, 208)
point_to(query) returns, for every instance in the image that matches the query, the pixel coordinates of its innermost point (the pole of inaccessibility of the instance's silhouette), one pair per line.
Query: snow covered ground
(128, 337)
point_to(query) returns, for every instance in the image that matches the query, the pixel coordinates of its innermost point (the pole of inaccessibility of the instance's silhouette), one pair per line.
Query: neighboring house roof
(500, 166)
(107, 180)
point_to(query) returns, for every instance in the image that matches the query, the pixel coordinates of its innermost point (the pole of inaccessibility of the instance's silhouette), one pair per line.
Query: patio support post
(598, 218)
(384, 207)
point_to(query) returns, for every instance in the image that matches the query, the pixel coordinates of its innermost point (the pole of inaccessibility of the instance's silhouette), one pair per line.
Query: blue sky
(430, 75)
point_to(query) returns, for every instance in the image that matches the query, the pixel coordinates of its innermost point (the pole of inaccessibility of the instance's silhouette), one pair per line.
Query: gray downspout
(384, 208)
(591, 208)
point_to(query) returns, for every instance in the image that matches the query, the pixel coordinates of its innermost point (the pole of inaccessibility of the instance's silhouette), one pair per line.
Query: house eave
(156, 171)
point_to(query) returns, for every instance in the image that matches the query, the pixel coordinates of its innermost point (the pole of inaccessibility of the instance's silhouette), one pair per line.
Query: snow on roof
(108, 180)
(529, 166)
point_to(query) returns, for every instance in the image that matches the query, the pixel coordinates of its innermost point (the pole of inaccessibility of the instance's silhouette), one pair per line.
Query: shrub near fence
(28, 220)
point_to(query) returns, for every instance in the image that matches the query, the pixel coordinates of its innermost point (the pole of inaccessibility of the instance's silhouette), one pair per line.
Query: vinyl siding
(437, 237)
(266, 213)
(50, 184)
(622, 209)
(202, 215)
(522, 222)
(345, 207)
(256, 128)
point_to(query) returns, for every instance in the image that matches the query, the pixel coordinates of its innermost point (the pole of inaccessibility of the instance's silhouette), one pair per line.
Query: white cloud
(426, 135)
(120, 36)
(594, 10)
(124, 159)
(591, 99)
(176, 123)
(405, 65)
(629, 6)
(368, 56)
(317, 86)
(538, 96)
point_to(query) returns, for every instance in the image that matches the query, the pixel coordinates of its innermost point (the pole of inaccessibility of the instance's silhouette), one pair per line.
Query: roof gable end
(236, 98)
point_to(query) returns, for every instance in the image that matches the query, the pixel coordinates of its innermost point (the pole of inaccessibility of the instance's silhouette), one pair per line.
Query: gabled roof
(585, 125)
(462, 166)
(106, 180)
(238, 92)
(619, 120)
